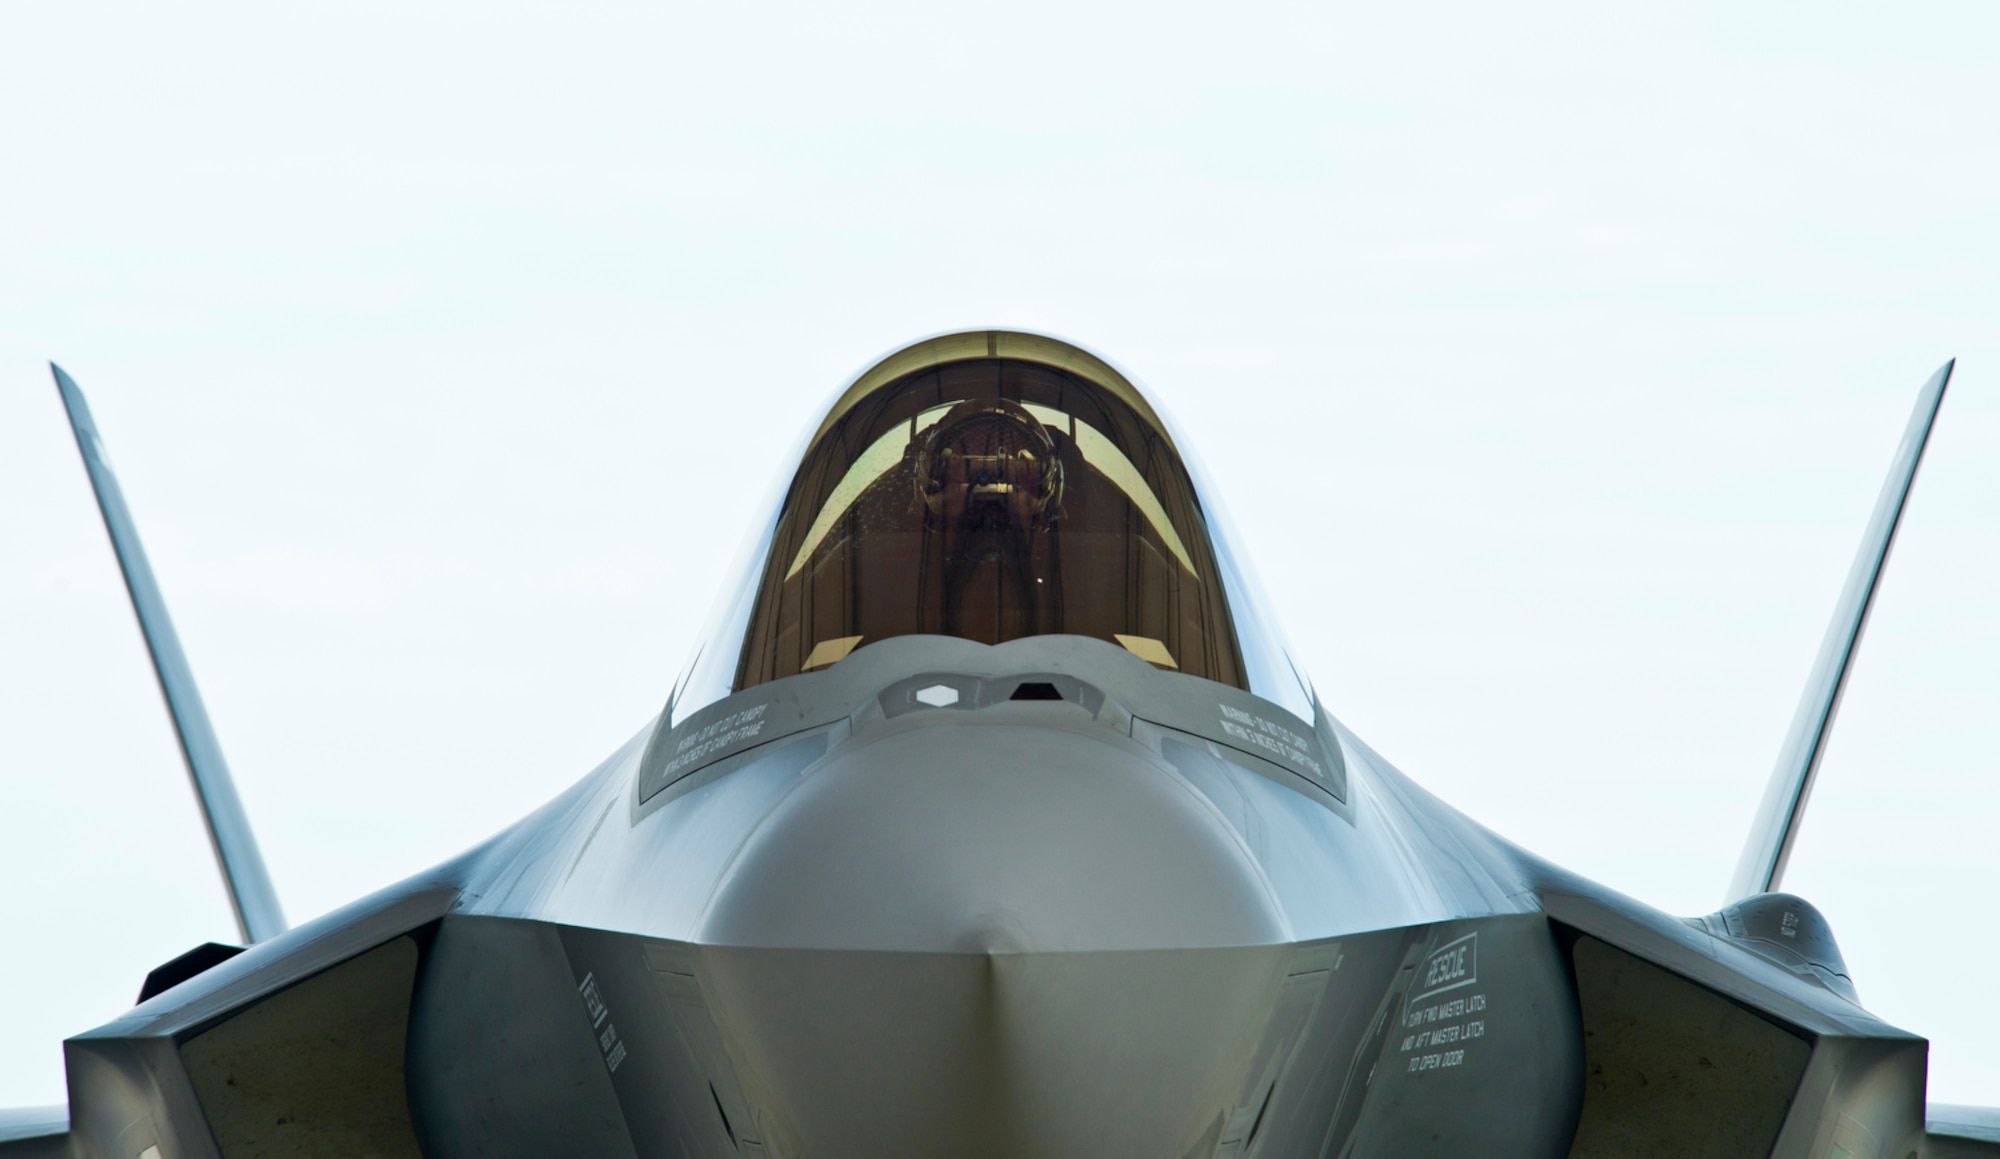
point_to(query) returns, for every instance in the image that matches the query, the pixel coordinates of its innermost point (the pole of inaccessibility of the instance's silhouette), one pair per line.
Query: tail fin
(250, 894)
(1765, 854)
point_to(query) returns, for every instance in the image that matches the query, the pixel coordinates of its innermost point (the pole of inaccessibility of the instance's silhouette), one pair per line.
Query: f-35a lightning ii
(993, 817)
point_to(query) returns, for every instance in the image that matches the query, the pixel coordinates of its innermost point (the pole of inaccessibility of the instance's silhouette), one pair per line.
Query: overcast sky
(1549, 359)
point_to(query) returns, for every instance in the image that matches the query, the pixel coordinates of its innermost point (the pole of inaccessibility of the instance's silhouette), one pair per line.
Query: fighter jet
(994, 817)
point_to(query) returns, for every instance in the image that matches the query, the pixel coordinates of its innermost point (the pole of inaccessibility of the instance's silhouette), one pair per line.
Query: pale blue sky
(1549, 358)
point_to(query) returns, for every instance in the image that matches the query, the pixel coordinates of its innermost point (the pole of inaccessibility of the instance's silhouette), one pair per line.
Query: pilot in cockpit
(991, 484)
(990, 499)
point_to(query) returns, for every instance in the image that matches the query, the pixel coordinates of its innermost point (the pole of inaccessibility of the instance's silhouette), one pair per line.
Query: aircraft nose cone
(993, 838)
(991, 941)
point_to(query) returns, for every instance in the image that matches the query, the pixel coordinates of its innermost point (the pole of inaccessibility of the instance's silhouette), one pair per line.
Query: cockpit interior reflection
(990, 500)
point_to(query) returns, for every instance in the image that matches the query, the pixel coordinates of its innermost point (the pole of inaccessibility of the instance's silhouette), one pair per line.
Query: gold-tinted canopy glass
(990, 497)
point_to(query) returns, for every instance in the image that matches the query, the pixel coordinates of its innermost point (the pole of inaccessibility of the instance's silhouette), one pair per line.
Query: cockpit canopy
(991, 485)
(990, 499)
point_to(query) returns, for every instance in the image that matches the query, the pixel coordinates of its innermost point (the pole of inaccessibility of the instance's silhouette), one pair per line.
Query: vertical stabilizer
(250, 894)
(1776, 830)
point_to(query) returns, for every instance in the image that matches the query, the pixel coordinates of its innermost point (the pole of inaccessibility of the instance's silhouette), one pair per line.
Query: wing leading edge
(1776, 829)
(251, 897)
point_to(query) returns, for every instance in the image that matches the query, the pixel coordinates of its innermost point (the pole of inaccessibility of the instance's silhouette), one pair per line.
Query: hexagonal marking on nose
(938, 695)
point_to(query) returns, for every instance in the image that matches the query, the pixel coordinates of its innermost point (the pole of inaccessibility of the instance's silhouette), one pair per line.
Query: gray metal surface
(251, 896)
(892, 909)
(1956, 1132)
(1011, 935)
(1106, 682)
(34, 1133)
(1789, 931)
(1776, 828)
